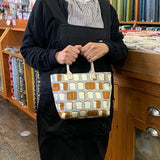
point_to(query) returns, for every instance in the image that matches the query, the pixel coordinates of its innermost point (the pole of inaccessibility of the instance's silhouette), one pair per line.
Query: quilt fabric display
(82, 95)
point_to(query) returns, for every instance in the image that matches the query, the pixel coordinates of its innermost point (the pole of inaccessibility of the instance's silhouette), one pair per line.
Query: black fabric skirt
(82, 139)
(75, 148)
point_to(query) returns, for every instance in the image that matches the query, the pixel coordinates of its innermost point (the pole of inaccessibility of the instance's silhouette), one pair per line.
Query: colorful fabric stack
(17, 80)
(125, 9)
(11, 74)
(22, 88)
(145, 40)
(18, 90)
(149, 10)
(36, 88)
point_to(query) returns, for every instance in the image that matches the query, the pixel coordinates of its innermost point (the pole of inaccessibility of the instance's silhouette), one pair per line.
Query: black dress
(48, 32)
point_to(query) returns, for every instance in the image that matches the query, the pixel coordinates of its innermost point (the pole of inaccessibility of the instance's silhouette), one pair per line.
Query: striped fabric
(11, 75)
(85, 13)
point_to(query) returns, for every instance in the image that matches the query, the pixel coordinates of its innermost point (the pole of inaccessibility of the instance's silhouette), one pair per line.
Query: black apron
(51, 127)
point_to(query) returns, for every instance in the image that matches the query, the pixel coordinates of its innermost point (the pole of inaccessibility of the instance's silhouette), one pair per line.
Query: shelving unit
(138, 81)
(136, 22)
(12, 36)
(137, 84)
(3, 30)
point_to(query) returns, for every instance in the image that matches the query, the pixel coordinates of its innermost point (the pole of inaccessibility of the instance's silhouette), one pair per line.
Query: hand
(93, 51)
(68, 55)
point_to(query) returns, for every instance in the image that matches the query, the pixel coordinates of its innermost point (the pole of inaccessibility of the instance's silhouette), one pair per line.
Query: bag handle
(92, 72)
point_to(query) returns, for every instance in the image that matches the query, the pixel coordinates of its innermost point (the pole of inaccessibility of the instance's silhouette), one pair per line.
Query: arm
(34, 45)
(114, 52)
(117, 49)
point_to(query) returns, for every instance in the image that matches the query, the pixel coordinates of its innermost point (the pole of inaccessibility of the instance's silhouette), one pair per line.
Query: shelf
(141, 51)
(13, 54)
(20, 106)
(2, 94)
(20, 25)
(3, 24)
(2, 28)
(18, 29)
(140, 23)
(142, 62)
(129, 22)
(149, 23)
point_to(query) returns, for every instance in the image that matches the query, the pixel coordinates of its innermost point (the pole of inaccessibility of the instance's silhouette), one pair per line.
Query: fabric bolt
(11, 75)
(85, 13)
(22, 82)
(14, 78)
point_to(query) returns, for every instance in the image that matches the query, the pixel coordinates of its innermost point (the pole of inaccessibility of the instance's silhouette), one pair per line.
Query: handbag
(82, 95)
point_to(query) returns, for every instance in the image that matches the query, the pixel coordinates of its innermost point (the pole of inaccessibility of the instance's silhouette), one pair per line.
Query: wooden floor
(12, 145)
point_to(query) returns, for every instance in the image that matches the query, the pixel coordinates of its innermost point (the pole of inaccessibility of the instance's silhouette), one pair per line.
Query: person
(74, 32)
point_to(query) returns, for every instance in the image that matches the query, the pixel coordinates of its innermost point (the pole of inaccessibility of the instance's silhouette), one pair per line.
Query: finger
(72, 59)
(86, 47)
(70, 55)
(89, 53)
(78, 47)
(91, 50)
(68, 62)
(70, 48)
(90, 56)
(93, 59)
(73, 54)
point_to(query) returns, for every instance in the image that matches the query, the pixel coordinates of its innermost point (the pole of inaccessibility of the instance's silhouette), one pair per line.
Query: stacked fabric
(145, 40)
(17, 80)
(125, 9)
(36, 88)
(149, 10)
(12, 49)
(147, 28)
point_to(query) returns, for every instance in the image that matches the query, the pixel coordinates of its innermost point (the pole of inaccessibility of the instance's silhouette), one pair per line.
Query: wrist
(106, 48)
(56, 56)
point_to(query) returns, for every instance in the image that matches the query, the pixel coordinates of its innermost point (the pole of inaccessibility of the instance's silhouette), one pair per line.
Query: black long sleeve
(34, 47)
(39, 48)
(117, 49)
(42, 39)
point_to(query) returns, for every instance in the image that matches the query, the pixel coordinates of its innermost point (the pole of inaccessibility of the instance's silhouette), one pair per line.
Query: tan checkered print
(82, 96)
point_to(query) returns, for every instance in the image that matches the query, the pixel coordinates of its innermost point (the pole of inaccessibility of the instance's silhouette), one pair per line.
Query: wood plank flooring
(12, 145)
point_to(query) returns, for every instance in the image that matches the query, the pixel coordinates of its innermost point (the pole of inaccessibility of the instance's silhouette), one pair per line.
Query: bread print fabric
(82, 96)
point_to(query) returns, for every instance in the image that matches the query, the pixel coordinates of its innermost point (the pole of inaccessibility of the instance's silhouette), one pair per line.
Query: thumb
(78, 47)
